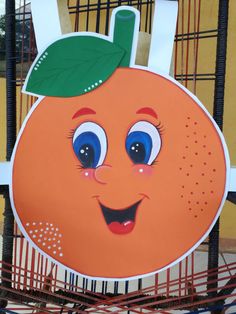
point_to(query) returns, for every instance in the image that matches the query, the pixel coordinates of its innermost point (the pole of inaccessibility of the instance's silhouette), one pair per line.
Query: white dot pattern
(39, 62)
(92, 86)
(43, 233)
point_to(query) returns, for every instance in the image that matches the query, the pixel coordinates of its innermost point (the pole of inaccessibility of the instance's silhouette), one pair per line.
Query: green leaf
(73, 66)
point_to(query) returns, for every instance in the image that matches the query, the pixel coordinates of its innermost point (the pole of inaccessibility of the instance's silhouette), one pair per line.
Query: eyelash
(154, 162)
(70, 137)
(71, 134)
(160, 128)
(80, 167)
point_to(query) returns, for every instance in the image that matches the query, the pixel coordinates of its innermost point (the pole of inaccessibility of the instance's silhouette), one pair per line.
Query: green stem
(124, 33)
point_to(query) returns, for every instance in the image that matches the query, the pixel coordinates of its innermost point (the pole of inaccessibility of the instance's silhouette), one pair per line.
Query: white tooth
(126, 223)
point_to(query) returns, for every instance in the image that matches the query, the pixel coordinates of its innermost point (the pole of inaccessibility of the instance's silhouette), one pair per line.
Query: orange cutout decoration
(146, 194)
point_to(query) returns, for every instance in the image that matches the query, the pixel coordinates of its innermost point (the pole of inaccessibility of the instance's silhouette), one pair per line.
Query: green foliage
(22, 29)
(2, 24)
(2, 37)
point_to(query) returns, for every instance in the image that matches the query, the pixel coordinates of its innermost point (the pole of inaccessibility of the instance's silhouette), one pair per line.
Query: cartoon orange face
(122, 181)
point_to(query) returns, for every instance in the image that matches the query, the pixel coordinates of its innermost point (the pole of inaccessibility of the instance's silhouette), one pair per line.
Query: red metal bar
(176, 46)
(14, 256)
(197, 42)
(55, 280)
(180, 276)
(20, 260)
(172, 291)
(156, 283)
(182, 43)
(188, 42)
(168, 282)
(32, 268)
(26, 265)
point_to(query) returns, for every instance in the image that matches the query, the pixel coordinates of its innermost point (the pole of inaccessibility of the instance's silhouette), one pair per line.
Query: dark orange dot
(186, 146)
(205, 203)
(188, 118)
(212, 192)
(191, 193)
(195, 123)
(209, 153)
(196, 153)
(197, 203)
(191, 166)
(194, 133)
(190, 208)
(203, 174)
(195, 142)
(201, 209)
(214, 170)
(196, 183)
(182, 186)
(204, 146)
(203, 192)
(180, 168)
(195, 216)
(187, 174)
(182, 196)
(204, 163)
(189, 202)
(184, 157)
(186, 125)
(211, 181)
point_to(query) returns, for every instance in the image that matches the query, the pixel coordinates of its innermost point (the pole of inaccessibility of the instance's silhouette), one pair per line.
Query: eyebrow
(82, 112)
(147, 110)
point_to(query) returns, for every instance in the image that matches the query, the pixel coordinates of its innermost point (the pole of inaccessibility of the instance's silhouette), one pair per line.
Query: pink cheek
(143, 170)
(88, 173)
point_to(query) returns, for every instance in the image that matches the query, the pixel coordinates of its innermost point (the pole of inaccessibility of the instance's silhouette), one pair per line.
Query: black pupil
(86, 155)
(137, 152)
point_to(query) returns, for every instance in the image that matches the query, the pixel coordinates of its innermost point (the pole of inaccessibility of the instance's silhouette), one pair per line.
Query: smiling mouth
(120, 221)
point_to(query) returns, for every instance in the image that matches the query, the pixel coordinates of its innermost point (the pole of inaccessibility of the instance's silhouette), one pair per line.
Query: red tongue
(121, 228)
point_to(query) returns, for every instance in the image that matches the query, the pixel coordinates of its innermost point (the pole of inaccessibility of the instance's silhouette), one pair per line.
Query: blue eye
(138, 146)
(143, 143)
(90, 144)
